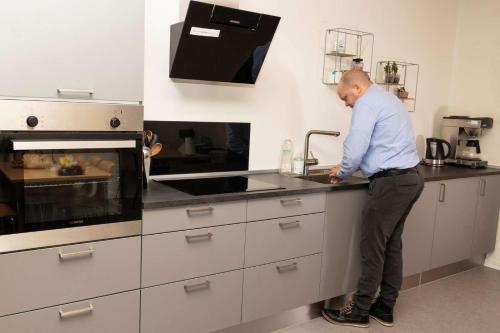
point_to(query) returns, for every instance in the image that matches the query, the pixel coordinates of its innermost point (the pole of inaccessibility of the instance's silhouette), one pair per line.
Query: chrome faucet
(313, 161)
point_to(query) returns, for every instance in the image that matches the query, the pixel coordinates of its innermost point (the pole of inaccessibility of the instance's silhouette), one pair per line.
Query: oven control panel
(70, 116)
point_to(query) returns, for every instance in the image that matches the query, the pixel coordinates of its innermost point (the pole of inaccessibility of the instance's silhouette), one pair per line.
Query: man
(381, 144)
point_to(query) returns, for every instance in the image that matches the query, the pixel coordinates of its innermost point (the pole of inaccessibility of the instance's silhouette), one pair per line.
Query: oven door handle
(76, 144)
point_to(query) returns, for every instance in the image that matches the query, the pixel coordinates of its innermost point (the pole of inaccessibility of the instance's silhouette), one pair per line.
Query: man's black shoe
(346, 316)
(382, 313)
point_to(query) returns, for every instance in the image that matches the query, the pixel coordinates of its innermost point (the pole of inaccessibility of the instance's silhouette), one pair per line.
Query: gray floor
(467, 302)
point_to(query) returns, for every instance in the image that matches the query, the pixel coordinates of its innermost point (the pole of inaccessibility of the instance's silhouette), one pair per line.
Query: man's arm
(358, 140)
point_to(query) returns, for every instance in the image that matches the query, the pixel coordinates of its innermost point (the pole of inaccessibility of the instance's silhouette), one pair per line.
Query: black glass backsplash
(199, 147)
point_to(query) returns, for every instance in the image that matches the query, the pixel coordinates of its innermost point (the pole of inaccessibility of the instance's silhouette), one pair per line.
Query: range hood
(222, 44)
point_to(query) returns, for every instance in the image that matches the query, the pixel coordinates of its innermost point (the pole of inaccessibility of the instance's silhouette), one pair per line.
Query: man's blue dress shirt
(381, 135)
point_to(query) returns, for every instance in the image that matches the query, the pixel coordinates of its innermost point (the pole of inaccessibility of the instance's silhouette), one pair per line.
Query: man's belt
(392, 172)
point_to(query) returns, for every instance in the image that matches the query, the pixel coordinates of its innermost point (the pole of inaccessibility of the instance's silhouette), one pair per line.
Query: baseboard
(411, 281)
(451, 269)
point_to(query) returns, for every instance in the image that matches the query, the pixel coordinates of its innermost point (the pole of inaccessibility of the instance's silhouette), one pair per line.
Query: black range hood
(222, 44)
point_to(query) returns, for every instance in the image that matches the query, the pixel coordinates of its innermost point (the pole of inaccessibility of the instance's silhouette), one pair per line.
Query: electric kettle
(434, 153)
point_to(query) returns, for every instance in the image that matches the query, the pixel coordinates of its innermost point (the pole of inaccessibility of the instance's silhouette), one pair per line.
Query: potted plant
(395, 69)
(402, 93)
(389, 77)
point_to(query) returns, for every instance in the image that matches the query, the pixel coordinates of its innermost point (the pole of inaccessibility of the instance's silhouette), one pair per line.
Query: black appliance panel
(218, 185)
(236, 55)
(213, 147)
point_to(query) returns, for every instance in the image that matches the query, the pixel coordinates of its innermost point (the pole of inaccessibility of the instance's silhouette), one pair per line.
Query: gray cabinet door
(270, 208)
(419, 231)
(74, 46)
(116, 313)
(280, 239)
(455, 214)
(41, 278)
(284, 285)
(488, 205)
(341, 261)
(182, 255)
(193, 217)
(200, 305)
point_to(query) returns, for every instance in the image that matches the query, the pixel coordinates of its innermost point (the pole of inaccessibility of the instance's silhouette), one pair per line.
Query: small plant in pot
(395, 69)
(389, 77)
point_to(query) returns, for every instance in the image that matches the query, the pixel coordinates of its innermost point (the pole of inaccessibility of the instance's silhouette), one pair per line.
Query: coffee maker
(463, 134)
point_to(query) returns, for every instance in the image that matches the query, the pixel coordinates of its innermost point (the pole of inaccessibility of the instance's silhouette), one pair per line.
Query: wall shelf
(341, 47)
(405, 78)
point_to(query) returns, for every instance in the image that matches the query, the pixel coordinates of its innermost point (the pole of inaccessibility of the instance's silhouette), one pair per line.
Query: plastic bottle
(286, 157)
(298, 165)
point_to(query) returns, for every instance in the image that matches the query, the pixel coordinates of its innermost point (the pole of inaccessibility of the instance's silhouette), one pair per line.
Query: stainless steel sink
(325, 179)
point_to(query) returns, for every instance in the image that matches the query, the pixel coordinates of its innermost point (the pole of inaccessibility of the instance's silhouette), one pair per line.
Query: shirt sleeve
(358, 140)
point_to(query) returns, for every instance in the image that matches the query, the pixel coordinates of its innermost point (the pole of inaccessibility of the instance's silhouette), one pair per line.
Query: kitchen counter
(161, 196)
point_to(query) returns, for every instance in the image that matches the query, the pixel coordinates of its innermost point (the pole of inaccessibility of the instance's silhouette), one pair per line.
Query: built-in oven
(69, 173)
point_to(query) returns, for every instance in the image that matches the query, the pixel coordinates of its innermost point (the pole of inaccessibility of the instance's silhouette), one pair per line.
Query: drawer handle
(289, 225)
(74, 91)
(197, 238)
(189, 288)
(76, 313)
(483, 188)
(199, 211)
(442, 192)
(76, 255)
(290, 202)
(287, 268)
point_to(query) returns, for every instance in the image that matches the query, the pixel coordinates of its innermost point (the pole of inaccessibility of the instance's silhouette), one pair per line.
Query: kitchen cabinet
(455, 214)
(486, 220)
(279, 239)
(92, 50)
(193, 217)
(341, 262)
(418, 231)
(280, 286)
(115, 313)
(194, 306)
(269, 208)
(183, 255)
(57, 275)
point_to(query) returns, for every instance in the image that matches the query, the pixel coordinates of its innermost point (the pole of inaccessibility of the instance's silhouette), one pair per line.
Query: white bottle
(286, 157)
(298, 165)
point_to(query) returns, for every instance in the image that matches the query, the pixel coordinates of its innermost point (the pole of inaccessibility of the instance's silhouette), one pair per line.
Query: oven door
(80, 186)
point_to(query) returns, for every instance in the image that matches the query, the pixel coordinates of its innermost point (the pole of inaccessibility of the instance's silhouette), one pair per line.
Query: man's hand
(334, 170)
(333, 174)
(335, 180)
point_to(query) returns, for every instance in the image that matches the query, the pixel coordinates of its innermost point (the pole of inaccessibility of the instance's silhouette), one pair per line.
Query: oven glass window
(51, 189)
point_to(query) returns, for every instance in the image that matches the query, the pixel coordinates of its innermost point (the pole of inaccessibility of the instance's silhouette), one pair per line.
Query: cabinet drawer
(199, 305)
(188, 254)
(58, 275)
(280, 239)
(281, 286)
(116, 313)
(269, 208)
(199, 216)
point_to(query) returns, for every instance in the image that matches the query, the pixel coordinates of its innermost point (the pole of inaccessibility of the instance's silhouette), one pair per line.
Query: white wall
(289, 98)
(475, 88)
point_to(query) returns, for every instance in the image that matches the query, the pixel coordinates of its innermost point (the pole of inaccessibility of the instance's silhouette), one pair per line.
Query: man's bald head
(353, 85)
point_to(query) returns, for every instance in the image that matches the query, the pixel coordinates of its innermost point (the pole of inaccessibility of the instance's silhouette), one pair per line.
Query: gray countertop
(161, 196)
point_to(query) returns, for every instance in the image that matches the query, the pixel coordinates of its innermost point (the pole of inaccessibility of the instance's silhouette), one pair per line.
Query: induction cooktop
(219, 185)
